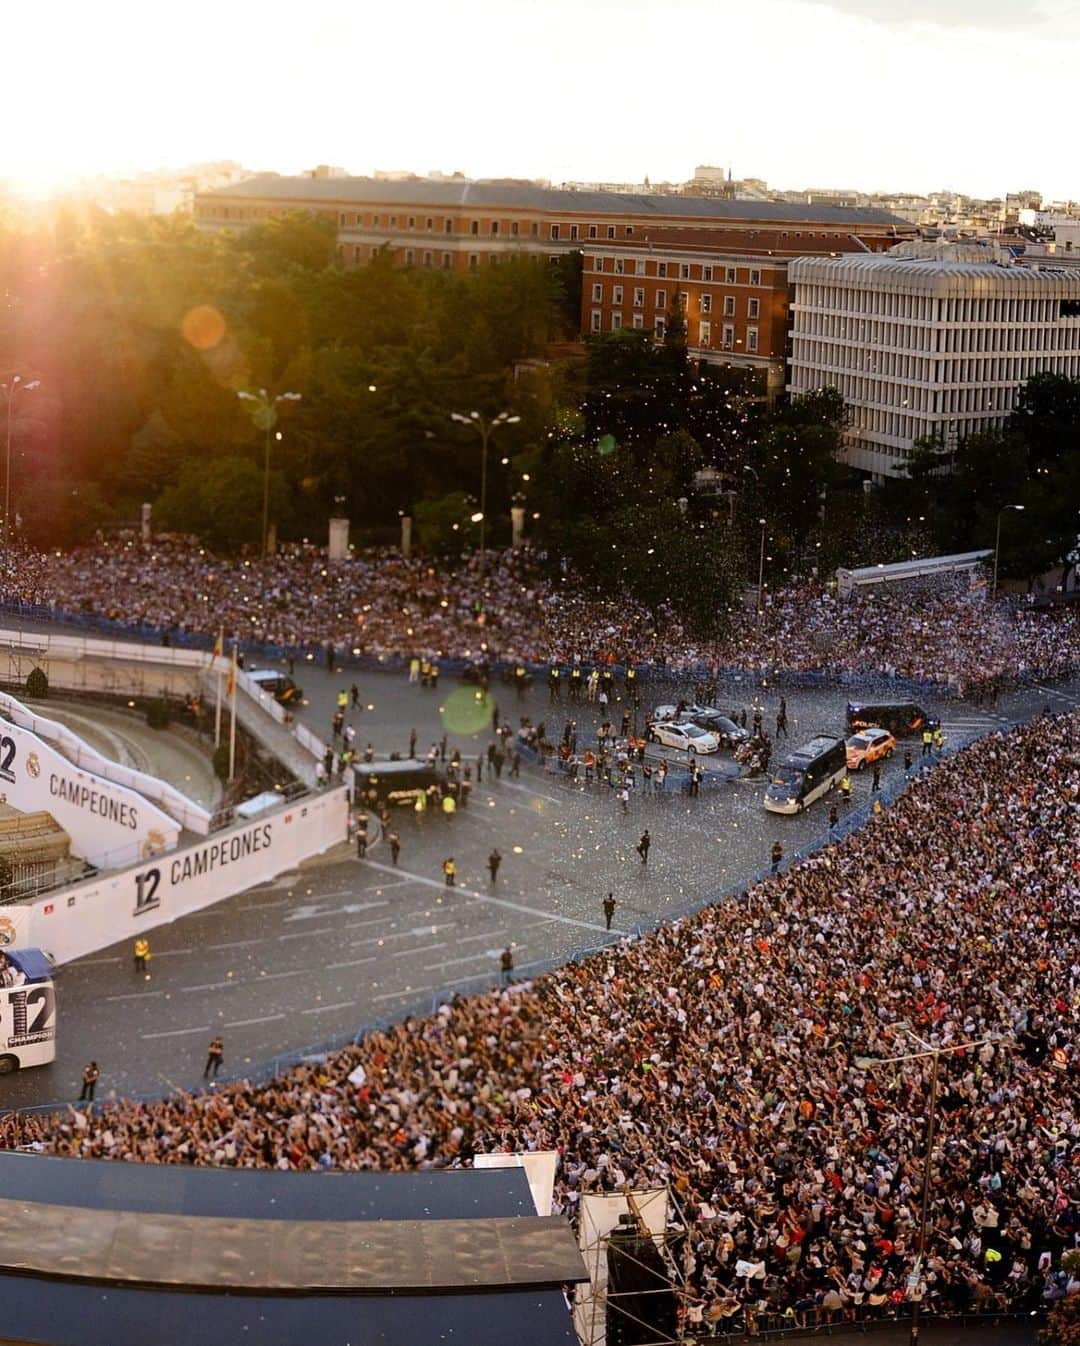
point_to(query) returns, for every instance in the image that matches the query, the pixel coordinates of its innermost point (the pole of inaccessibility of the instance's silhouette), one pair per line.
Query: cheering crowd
(383, 604)
(732, 1055)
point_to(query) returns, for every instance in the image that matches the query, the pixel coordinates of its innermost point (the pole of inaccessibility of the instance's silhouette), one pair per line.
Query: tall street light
(265, 417)
(485, 429)
(11, 387)
(761, 555)
(934, 1054)
(997, 543)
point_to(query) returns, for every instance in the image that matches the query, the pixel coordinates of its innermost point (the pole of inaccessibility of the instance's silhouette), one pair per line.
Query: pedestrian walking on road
(89, 1080)
(215, 1058)
(777, 855)
(361, 837)
(907, 759)
(412, 744)
(506, 965)
(142, 956)
(395, 846)
(834, 817)
(781, 718)
(875, 783)
(494, 861)
(643, 846)
(449, 870)
(609, 910)
(354, 696)
(515, 764)
(330, 653)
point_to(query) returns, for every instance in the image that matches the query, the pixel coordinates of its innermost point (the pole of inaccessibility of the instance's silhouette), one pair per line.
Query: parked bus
(27, 1011)
(805, 776)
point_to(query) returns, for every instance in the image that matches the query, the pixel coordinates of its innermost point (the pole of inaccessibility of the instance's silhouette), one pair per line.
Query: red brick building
(728, 258)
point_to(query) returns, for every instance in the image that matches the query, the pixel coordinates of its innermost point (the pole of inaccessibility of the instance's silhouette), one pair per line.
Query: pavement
(320, 952)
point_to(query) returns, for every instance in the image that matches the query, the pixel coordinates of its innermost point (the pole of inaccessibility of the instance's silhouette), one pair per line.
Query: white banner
(108, 824)
(73, 922)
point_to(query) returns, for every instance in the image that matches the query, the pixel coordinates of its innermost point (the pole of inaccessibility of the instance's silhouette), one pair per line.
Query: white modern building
(927, 340)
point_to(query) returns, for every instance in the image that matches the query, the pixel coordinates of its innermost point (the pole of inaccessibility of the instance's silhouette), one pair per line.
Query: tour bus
(805, 776)
(27, 1012)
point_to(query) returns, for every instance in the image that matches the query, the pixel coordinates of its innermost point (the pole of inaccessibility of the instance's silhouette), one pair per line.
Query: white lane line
(209, 986)
(504, 903)
(354, 962)
(423, 948)
(266, 906)
(306, 934)
(235, 944)
(492, 934)
(525, 789)
(398, 995)
(93, 962)
(135, 995)
(177, 1032)
(375, 920)
(456, 962)
(243, 1023)
(274, 976)
(325, 1009)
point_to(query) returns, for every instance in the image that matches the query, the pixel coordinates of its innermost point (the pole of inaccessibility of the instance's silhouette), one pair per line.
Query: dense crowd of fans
(727, 1056)
(383, 604)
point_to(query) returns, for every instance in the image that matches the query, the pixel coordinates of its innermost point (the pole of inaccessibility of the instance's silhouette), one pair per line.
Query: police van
(27, 1010)
(806, 774)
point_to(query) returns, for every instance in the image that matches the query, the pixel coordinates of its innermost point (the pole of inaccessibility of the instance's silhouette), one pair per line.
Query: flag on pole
(230, 686)
(219, 645)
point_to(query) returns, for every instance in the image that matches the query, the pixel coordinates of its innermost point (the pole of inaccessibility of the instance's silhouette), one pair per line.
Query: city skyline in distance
(843, 94)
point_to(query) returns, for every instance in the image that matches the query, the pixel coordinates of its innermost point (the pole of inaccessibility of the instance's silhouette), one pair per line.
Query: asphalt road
(320, 952)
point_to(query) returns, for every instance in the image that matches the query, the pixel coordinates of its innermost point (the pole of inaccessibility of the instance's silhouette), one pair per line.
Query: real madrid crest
(33, 766)
(154, 843)
(7, 932)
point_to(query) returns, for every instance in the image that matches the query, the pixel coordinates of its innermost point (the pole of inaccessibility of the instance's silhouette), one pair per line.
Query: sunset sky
(979, 95)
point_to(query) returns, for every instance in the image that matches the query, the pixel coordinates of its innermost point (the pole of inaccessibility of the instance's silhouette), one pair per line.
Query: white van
(27, 1011)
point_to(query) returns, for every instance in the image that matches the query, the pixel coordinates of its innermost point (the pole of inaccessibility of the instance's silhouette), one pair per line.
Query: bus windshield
(788, 775)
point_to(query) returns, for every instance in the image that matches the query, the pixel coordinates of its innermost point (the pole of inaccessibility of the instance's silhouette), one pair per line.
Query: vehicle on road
(806, 774)
(684, 735)
(868, 747)
(898, 717)
(27, 1011)
(279, 685)
(730, 734)
(396, 782)
(685, 710)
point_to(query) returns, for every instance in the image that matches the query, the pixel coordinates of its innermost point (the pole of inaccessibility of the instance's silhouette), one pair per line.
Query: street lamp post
(14, 385)
(486, 429)
(265, 418)
(997, 544)
(761, 555)
(934, 1054)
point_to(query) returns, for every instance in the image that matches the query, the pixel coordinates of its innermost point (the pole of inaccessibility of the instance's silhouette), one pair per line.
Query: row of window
(998, 310)
(660, 300)
(729, 275)
(728, 340)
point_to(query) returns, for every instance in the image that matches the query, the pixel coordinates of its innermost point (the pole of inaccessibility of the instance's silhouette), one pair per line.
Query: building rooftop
(525, 196)
(924, 273)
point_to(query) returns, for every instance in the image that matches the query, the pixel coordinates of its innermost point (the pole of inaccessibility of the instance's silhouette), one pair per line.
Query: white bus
(27, 1012)
(806, 774)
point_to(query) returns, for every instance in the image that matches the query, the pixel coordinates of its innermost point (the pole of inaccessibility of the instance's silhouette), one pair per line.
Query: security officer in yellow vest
(520, 679)
(927, 740)
(631, 685)
(554, 688)
(142, 956)
(575, 683)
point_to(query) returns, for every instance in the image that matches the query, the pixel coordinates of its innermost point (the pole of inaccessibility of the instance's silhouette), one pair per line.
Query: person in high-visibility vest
(927, 741)
(449, 806)
(343, 701)
(142, 956)
(845, 785)
(449, 870)
(939, 739)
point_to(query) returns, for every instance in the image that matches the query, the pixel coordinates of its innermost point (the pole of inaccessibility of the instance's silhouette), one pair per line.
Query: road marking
(375, 920)
(274, 976)
(325, 1009)
(397, 995)
(354, 962)
(493, 934)
(134, 995)
(93, 962)
(423, 948)
(552, 799)
(235, 944)
(267, 906)
(244, 1023)
(498, 901)
(485, 954)
(305, 934)
(177, 1032)
(210, 986)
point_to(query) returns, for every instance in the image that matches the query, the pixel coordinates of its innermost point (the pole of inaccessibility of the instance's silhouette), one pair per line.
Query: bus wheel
(8, 1064)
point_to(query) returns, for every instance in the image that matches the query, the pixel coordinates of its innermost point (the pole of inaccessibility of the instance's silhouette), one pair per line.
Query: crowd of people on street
(746, 1058)
(383, 604)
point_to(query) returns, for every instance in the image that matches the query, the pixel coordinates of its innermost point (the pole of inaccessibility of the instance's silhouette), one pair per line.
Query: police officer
(845, 785)
(361, 837)
(520, 677)
(494, 861)
(343, 701)
(939, 739)
(142, 956)
(554, 690)
(89, 1080)
(927, 740)
(575, 683)
(875, 784)
(609, 910)
(449, 870)
(395, 846)
(777, 855)
(215, 1057)
(506, 964)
